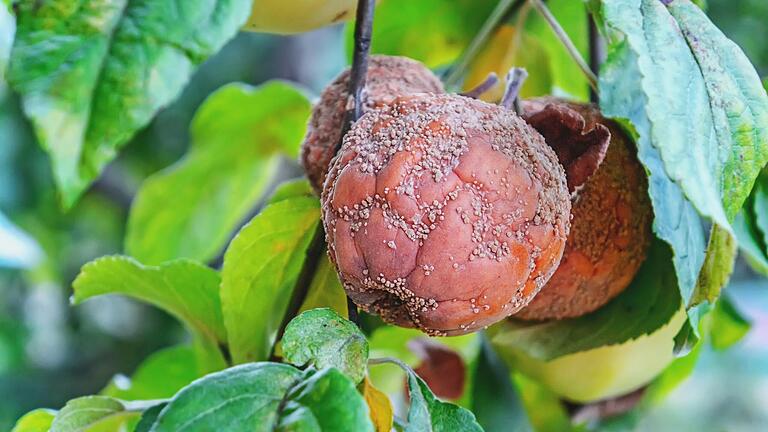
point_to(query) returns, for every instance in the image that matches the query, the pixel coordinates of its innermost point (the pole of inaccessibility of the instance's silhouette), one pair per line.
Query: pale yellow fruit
(604, 372)
(296, 16)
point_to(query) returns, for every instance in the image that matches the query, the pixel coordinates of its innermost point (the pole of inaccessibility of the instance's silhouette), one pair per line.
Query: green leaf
(91, 413)
(290, 189)
(260, 270)
(728, 325)
(190, 209)
(326, 290)
(7, 31)
(91, 74)
(495, 401)
(760, 210)
(38, 420)
(711, 132)
(649, 303)
(427, 413)
(159, 376)
(322, 338)
(185, 289)
(267, 397)
(149, 417)
(434, 32)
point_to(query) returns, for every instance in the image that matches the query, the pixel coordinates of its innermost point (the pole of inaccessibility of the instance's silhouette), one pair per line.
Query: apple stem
(515, 79)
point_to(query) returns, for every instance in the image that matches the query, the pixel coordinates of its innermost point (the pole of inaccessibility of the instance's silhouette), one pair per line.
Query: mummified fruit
(387, 78)
(611, 224)
(444, 213)
(294, 16)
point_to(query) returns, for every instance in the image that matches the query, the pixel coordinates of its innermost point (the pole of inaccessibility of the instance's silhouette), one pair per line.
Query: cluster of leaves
(703, 146)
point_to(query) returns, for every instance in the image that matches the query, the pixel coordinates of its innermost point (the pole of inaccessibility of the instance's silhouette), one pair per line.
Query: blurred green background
(51, 352)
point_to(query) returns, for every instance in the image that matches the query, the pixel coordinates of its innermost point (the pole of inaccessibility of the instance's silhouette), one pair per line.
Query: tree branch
(316, 249)
(545, 13)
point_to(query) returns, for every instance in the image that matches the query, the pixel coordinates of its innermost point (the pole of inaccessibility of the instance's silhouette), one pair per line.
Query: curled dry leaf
(580, 145)
(441, 368)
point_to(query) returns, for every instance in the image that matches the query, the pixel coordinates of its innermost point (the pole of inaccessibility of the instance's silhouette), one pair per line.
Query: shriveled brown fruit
(387, 78)
(611, 224)
(444, 213)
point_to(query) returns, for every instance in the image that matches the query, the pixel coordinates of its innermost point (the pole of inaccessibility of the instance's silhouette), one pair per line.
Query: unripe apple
(603, 372)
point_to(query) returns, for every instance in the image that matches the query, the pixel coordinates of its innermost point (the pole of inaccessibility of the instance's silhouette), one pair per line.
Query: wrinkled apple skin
(604, 372)
(296, 16)
(388, 77)
(444, 213)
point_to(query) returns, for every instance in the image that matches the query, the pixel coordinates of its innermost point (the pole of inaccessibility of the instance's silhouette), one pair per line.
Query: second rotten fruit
(611, 224)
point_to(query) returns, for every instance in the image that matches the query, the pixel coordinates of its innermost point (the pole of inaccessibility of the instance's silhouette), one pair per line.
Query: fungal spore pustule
(444, 213)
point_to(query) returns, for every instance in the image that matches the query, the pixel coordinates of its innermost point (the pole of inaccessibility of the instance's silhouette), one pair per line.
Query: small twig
(495, 19)
(491, 80)
(515, 79)
(596, 53)
(542, 9)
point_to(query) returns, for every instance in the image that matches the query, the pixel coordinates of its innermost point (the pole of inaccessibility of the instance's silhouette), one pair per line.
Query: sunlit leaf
(92, 413)
(38, 420)
(190, 209)
(90, 84)
(183, 288)
(268, 397)
(322, 338)
(260, 270)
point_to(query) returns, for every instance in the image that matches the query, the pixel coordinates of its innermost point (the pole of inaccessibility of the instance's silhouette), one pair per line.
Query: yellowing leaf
(507, 48)
(379, 406)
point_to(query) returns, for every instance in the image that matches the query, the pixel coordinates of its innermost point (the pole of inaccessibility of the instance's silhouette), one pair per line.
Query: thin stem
(357, 75)
(498, 16)
(545, 13)
(596, 52)
(491, 80)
